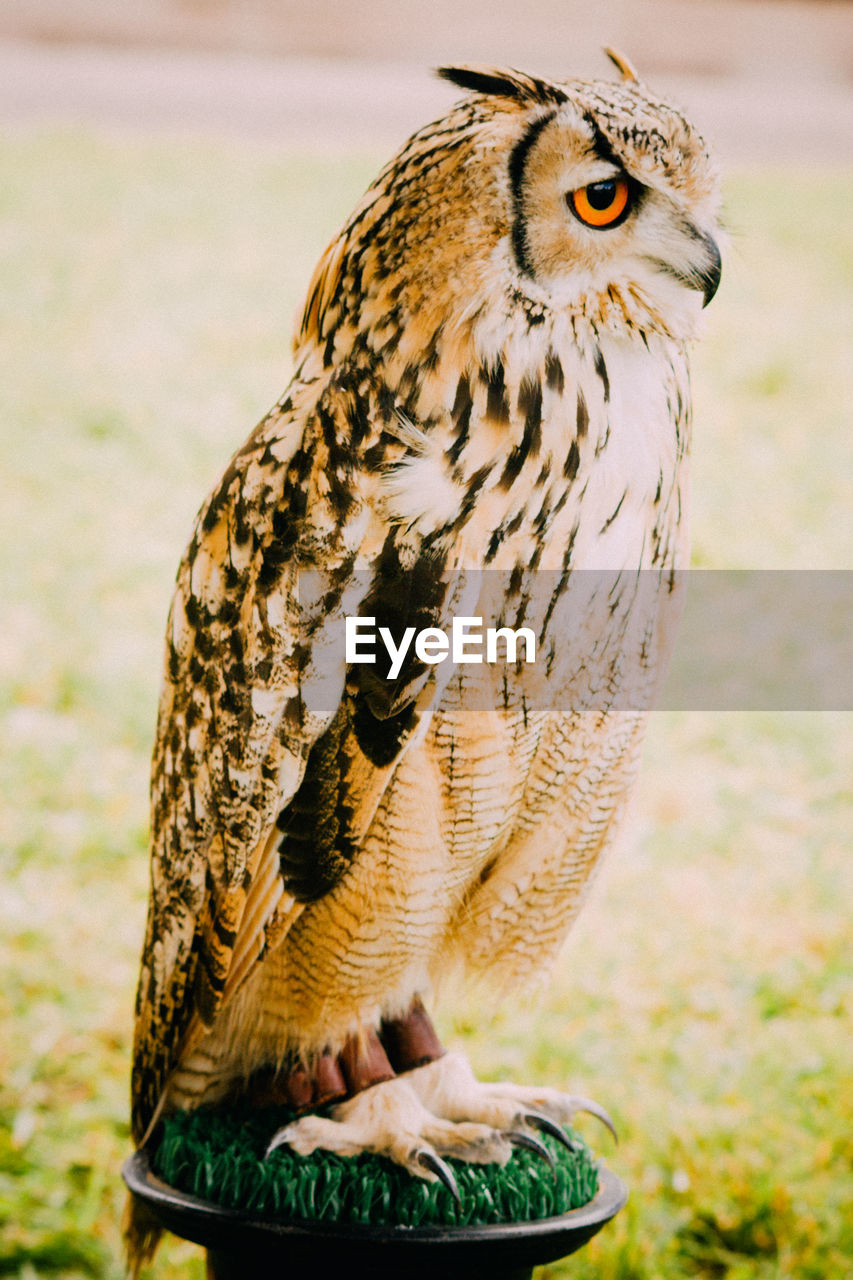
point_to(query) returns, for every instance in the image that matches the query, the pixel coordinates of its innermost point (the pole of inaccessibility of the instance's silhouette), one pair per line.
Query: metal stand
(225, 1264)
(244, 1248)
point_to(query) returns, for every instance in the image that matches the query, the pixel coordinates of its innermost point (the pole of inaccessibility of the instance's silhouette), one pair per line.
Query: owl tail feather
(141, 1232)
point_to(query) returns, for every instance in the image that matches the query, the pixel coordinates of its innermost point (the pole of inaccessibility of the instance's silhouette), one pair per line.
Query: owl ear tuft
(622, 65)
(502, 81)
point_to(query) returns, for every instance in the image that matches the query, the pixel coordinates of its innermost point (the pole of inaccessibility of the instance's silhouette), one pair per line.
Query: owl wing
(268, 765)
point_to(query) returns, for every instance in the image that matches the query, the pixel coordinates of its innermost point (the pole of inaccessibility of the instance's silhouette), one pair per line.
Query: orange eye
(601, 204)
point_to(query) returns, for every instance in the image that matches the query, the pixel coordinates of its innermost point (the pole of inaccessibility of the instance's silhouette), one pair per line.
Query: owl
(489, 418)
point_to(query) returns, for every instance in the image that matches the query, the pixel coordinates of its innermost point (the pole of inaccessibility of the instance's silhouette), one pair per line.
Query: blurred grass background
(148, 289)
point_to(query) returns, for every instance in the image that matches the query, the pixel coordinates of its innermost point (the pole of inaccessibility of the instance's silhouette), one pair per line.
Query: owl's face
(530, 200)
(611, 189)
(587, 195)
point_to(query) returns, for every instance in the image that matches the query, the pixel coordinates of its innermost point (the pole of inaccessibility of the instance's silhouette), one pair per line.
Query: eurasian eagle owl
(491, 376)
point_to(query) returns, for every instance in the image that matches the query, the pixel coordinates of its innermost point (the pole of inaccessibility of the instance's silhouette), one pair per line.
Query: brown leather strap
(300, 1087)
(366, 1059)
(411, 1041)
(364, 1062)
(329, 1082)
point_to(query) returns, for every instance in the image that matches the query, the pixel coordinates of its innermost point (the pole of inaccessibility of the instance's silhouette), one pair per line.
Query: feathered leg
(434, 1108)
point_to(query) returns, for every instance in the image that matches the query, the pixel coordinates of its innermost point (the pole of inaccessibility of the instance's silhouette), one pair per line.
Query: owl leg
(449, 1088)
(386, 1116)
(390, 1120)
(435, 1108)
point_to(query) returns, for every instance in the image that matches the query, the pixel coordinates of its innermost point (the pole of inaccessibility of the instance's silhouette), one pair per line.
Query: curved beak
(708, 280)
(704, 268)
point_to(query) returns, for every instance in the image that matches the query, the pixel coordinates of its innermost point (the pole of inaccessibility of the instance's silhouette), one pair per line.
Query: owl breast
(577, 461)
(633, 506)
(505, 786)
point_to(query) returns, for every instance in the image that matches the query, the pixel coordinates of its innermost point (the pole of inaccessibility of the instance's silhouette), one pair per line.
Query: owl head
(531, 198)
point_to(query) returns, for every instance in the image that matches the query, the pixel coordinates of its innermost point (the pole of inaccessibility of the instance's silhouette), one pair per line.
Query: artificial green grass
(219, 1156)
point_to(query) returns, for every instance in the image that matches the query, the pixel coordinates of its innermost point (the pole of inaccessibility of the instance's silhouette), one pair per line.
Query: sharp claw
(435, 1164)
(279, 1139)
(593, 1109)
(529, 1143)
(545, 1124)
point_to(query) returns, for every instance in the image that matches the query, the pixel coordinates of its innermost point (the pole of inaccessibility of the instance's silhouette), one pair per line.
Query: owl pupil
(601, 194)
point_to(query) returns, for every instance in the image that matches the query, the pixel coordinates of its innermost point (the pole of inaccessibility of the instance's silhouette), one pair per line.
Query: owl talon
(529, 1143)
(279, 1139)
(595, 1109)
(435, 1165)
(546, 1125)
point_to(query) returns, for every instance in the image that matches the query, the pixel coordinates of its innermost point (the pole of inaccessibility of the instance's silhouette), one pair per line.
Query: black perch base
(241, 1247)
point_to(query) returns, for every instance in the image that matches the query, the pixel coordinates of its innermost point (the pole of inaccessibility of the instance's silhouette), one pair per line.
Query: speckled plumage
(482, 382)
